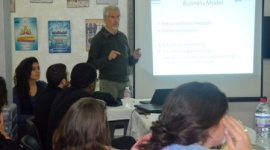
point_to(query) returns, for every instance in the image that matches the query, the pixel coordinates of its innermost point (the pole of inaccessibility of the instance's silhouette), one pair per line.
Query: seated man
(57, 79)
(83, 83)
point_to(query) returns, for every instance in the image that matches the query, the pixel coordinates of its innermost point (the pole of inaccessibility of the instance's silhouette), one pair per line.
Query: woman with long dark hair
(27, 87)
(194, 118)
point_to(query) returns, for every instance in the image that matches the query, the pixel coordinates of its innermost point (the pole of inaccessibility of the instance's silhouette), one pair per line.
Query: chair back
(29, 143)
(33, 131)
(123, 143)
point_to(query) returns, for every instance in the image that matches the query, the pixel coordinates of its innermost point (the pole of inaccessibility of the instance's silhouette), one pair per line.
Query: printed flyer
(59, 37)
(25, 30)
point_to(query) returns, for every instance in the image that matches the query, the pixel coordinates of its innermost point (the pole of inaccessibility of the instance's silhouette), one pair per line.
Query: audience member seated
(194, 118)
(27, 87)
(57, 78)
(83, 83)
(84, 126)
(5, 142)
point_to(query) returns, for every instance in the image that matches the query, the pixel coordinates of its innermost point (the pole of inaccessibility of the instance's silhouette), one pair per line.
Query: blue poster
(59, 37)
(25, 30)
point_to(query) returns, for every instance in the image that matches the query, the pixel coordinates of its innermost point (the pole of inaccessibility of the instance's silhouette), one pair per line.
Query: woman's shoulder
(41, 83)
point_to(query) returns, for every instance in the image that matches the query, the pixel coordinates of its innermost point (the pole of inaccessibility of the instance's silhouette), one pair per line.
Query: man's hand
(137, 53)
(113, 54)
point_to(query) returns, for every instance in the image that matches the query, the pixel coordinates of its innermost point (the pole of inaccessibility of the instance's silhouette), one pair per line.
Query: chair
(29, 143)
(118, 124)
(33, 131)
(124, 143)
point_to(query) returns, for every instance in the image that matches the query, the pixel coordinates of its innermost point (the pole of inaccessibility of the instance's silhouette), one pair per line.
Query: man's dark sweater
(101, 45)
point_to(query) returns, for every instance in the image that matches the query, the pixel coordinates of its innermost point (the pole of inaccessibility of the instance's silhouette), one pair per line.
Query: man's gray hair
(109, 8)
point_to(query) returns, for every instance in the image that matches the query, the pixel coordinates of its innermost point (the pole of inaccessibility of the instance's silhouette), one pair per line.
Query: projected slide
(202, 36)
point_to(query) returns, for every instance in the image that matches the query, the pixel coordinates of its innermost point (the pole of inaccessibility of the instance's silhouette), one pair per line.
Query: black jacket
(60, 105)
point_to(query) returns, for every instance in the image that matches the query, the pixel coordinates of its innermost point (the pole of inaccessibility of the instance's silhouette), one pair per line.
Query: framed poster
(92, 26)
(41, 1)
(25, 30)
(59, 36)
(107, 2)
(12, 6)
(77, 3)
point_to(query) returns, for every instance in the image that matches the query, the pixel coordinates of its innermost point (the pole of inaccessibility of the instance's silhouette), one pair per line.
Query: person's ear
(90, 88)
(63, 83)
(211, 132)
(93, 86)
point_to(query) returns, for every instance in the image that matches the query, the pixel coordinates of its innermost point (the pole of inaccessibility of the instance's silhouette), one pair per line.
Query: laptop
(108, 98)
(156, 103)
(158, 97)
(149, 108)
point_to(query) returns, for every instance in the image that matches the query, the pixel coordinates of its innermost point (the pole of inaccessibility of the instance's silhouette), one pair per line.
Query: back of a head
(82, 75)
(3, 92)
(86, 125)
(55, 73)
(188, 112)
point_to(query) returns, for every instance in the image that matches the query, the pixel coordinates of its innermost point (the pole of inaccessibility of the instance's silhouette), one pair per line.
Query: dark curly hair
(21, 77)
(189, 111)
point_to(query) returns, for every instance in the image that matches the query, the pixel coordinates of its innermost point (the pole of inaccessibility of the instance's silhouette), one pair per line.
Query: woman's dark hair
(55, 74)
(188, 112)
(3, 93)
(22, 76)
(84, 126)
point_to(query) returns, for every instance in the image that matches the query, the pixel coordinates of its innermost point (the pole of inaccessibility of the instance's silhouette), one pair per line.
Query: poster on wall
(59, 36)
(25, 33)
(107, 2)
(77, 3)
(41, 1)
(92, 27)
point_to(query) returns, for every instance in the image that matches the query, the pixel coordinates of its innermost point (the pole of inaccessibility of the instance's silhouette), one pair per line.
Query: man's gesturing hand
(113, 54)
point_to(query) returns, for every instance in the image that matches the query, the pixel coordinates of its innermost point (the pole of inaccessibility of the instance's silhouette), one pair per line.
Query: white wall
(58, 10)
(5, 44)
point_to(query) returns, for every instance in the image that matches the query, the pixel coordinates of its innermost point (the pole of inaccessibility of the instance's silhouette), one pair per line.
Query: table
(119, 113)
(122, 112)
(139, 124)
(118, 117)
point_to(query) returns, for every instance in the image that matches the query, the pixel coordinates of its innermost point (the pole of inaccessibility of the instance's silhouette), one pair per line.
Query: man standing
(110, 54)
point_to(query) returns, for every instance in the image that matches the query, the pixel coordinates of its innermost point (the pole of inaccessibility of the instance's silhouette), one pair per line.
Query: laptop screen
(160, 96)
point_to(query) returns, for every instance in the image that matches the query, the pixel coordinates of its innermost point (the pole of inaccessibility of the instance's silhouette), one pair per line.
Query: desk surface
(122, 112)
(118, 113)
